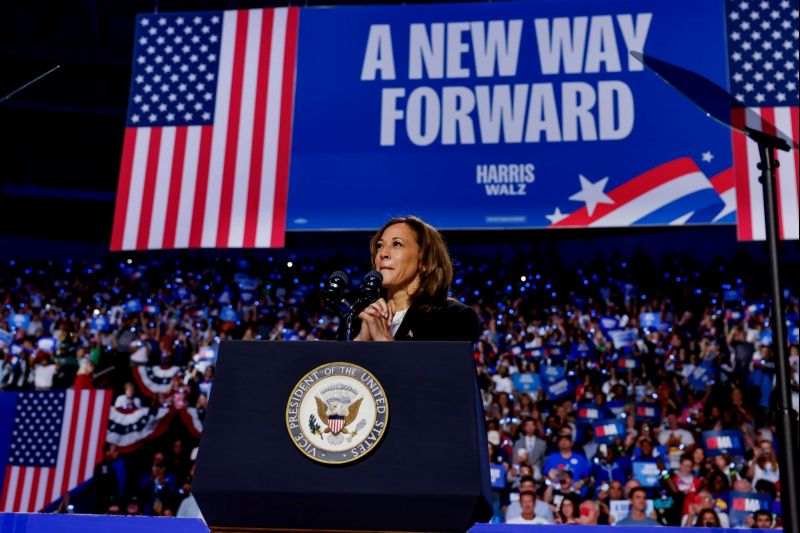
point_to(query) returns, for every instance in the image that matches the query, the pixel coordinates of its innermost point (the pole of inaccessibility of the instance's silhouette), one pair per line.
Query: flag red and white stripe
(222, 185)
(80, 448)
(751, 215)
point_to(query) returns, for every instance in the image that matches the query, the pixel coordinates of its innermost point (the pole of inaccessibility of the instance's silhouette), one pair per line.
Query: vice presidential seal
(337, 413)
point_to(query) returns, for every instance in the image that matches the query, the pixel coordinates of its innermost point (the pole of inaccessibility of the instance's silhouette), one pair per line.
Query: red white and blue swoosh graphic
(674, 193)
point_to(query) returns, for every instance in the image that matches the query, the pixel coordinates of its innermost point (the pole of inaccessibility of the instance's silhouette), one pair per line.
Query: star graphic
(556, 217)
(592, 193)
(707, 156)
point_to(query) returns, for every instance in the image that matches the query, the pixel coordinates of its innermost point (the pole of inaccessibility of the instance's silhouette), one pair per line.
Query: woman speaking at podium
(417, 271)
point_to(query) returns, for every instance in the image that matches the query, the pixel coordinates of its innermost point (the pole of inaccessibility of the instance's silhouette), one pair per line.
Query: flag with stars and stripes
(50, 443)
(205, 158)
(763, 61)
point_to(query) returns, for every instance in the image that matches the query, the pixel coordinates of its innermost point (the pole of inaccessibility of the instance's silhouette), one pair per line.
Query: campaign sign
(626, 364)
(47, 344)
(559, 389)
(588, 412)
(505, 115)
(622, 337)
(608, 323)
(6, 338)
(552, 373)
(733, 317)
(200, 313)
(793, 332)
(729, 441)
(646, 473)
(100, 323)
(607, 431)
(497, 475)
(580, 350)
(526, 382)
(516, 349)
(228, 314)
(732, 295)
(702, 376)
(649, 320)
(133, 306)
(19, 320)
(616, 407)
(151, 309)
(647, 412)
(534, 353)
(744, 504)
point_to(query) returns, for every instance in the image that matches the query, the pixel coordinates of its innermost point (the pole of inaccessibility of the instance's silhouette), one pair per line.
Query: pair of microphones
(334, 299)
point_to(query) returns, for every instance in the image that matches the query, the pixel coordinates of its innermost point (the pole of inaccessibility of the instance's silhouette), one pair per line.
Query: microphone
(369, 291)
(333, 292)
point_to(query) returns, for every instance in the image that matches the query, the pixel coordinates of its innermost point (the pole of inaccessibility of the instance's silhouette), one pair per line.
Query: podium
(428, 471)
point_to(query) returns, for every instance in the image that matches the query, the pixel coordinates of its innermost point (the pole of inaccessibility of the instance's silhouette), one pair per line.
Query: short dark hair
(763, 512)
(634, 490)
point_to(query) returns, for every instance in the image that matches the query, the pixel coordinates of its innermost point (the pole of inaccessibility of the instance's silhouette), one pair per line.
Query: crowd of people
(688, 343)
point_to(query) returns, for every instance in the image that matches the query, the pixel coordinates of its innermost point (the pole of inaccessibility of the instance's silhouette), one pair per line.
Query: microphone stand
(786, 419)
(34, 80)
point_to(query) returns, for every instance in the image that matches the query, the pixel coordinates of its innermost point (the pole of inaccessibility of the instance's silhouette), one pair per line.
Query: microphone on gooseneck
(333, 292)
(369, 291)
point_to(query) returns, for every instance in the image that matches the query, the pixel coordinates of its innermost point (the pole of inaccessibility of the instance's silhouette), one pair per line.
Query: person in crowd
(707, 518)
(565, 458)
(589, 513)
(128, 400)
(535, 446)
(542, 509)
(762, 519)
(417, 271)
(568, 509)
(703, 500)
(527, 503)
(638, 508)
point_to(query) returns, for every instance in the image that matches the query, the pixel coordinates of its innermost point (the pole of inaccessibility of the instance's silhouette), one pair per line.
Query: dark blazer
(454, 321)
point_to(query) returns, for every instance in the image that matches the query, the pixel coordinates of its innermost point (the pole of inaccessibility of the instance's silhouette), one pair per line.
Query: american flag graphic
(674, 193)
(55, 441)
(205, 158)
(336, 423)
(763, 66)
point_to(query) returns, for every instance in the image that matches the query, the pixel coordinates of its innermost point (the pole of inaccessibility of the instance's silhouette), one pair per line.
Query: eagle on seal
(336, 415)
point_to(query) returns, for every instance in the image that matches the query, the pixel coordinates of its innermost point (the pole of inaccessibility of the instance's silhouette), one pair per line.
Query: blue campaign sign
(649, 319)
(100, 323)
(744, 504)
(729, 441)
(607, 431)
(526, 382)
(552, 373)
(622, 337)
(228, 314)
(702, 376)
(616, 407)
(497, 475)
(608, 323)
(133, 306)
(505, 115)
(646, 473)
(588, 412)
(6, 338)
(559, 389)
(19, 320)
(647, 412)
